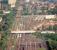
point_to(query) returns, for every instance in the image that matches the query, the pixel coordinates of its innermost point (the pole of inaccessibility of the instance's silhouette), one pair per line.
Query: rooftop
(28, 23)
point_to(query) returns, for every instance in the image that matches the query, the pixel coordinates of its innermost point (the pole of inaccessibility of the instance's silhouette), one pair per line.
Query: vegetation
(25, 11)
(6, 25)
(52, 11)
(52, 28)
(51, 38)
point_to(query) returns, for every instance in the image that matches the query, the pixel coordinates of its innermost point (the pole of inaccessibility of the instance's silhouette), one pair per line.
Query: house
(50, 16)
(12, 3)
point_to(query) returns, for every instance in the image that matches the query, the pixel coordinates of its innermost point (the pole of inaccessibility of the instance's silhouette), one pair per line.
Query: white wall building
(0, 19)
(12, 3)
(50, 16)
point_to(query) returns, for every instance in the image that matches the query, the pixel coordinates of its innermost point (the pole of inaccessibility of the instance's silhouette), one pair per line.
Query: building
(23, 27)
(1, 4)
(21, 37)
(12, 3)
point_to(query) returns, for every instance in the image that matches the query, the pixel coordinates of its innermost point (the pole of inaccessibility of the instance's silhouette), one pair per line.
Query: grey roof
(27, 22)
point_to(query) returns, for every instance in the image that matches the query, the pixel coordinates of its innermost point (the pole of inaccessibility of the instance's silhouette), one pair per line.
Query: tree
(51, 38)
(7, 23)
(52, 11)
(25, 10)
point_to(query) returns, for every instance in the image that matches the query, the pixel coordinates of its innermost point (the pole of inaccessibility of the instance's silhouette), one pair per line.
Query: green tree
(51, 38)
(7, 23)
(25, 10)
(52, 11)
